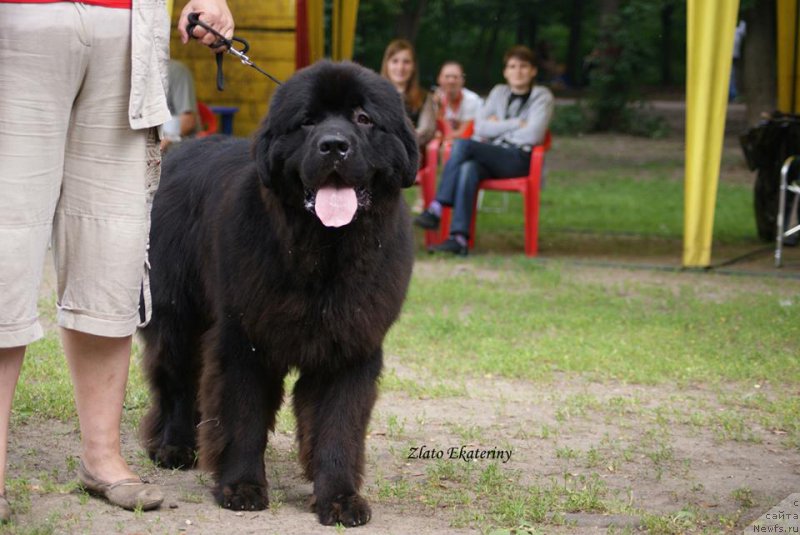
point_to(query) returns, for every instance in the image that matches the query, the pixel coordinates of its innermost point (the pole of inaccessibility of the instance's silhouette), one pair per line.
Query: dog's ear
(410, 165)
(261, 153)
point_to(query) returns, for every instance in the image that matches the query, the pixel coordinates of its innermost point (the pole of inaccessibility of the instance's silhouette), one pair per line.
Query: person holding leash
(82, 92)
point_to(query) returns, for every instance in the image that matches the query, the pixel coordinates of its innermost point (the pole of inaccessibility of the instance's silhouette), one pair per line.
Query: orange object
(208, 120)
(528, 186)
(446, 129)
(426, 179)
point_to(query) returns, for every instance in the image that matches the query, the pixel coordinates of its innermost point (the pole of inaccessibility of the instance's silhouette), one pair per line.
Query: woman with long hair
(399, 66)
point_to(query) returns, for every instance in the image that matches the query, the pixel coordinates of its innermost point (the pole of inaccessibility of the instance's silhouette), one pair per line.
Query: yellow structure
(315, 10)
(709, 49)
(788, 57)
(269, 27)
(344, 29)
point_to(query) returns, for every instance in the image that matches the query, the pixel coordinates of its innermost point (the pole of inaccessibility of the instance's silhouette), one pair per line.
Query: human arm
(215, 13)
(458, 133)
(188, 122)
(185, 122)
(426, 125)
(537, 119)
(470, 107)
(181, 97)
(487, 124)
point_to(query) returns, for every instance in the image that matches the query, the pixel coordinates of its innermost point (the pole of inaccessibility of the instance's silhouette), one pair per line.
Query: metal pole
(781, 209)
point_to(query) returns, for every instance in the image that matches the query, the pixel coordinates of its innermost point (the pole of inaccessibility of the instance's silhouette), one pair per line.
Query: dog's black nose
(334, 145)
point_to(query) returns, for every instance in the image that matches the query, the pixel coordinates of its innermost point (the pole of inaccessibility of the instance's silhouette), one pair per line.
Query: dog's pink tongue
(336, 207)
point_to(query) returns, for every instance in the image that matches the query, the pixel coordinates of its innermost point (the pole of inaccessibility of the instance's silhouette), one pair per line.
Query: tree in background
(575, 54)
(759, 68)
(624, 56)
(617, 47)
(667, 32)
(409, 18)
(474, 32)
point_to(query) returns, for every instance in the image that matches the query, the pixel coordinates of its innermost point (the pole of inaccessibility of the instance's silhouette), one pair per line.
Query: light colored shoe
(130, 494)
(5, 510)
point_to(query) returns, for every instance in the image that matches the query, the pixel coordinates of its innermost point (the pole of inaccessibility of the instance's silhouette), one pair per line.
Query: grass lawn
(617, 389)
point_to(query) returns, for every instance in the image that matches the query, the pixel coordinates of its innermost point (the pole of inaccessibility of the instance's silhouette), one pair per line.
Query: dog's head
(337, 140)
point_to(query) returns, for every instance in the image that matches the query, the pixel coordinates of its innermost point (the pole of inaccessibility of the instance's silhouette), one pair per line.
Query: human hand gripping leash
(194, 20)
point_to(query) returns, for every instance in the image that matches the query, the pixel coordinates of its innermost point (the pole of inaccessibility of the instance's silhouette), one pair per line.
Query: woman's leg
(10, 365)
(99, 241)
(99, 368)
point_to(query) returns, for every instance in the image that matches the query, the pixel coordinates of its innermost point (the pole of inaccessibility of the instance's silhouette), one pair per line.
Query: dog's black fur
(248, 283)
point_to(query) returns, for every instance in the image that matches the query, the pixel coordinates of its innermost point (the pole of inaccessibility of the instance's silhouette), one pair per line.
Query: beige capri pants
(71, 169)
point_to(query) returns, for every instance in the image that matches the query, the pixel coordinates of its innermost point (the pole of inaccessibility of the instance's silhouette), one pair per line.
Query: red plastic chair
(426, 180)
(529, 186)
(208, 120)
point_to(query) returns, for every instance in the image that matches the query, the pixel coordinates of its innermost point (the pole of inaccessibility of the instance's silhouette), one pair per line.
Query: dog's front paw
(350, 511)
(242, 496)
(182, 457)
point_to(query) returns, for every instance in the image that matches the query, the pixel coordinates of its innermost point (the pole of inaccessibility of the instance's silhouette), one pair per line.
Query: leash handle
(194, 21)
(220, 76)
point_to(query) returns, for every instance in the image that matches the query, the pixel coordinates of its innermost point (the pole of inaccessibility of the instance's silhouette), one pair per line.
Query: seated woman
(399, 66)
(513, 119)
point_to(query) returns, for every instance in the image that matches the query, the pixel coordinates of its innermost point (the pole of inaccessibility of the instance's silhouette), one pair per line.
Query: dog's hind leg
(333, 411)
(240, 397)
(172, 367)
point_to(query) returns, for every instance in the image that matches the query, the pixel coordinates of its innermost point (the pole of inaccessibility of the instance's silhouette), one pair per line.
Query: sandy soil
(700, 468)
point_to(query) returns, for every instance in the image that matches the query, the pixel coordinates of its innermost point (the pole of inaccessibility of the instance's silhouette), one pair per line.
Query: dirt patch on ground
(636, 441)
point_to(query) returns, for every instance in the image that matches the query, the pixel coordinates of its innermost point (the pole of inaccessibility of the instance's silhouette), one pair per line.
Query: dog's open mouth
(335, 205)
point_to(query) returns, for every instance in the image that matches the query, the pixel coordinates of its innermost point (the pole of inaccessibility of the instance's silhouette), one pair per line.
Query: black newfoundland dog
(296, 253)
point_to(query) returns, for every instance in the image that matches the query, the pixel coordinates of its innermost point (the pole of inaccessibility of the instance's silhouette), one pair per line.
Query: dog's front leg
(333, 411)
(239, 399)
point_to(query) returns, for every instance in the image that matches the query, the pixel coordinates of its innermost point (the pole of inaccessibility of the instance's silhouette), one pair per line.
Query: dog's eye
(363, 118)
(307, 122)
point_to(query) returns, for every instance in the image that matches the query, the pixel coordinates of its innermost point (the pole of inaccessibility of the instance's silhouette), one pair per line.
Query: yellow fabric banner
(709, 52)
(788, 56)
(344, 29)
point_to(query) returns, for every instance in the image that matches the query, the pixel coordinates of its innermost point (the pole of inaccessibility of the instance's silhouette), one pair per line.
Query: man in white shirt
(457, 105)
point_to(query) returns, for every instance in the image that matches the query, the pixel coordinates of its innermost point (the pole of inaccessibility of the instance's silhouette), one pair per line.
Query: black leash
(194, 20)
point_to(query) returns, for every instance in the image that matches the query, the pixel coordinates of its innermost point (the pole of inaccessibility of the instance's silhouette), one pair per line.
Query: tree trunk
(608, 8)
(527, 29)
(574, 56)
(666, 43)
(489, 63)
(758, 65)
(410, 17)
